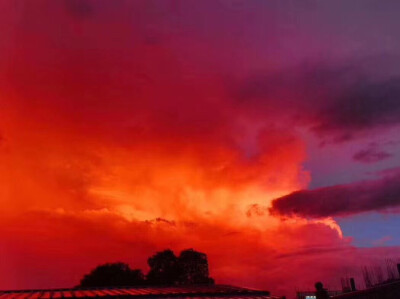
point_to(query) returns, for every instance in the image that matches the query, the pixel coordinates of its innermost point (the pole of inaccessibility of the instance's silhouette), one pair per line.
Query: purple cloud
(371, 155)
(337, 102)
(341, 200)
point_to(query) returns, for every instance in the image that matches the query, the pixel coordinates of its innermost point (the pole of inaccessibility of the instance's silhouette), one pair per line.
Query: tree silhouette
(193, 268)
(111, 275)
(163, 268)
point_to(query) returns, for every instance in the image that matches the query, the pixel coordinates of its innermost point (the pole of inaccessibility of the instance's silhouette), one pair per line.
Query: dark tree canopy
(193, 268)
(190, 267)
(113, 274)
(163, 268)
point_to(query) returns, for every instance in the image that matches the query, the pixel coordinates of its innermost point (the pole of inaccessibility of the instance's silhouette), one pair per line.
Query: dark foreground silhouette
(190, 267)
(321, 293)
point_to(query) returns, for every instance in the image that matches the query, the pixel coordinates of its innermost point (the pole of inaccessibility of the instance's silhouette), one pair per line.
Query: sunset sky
(263, 133)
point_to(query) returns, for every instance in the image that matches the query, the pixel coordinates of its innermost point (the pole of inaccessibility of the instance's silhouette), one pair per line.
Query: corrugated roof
(193, 292)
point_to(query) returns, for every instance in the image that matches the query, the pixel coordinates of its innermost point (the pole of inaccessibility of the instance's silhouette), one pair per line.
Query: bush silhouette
(113, 275)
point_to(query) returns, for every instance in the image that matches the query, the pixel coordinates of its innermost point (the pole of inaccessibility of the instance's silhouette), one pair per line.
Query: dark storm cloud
(361, 107)
(341, 200)
(371, 155)
(337, 103)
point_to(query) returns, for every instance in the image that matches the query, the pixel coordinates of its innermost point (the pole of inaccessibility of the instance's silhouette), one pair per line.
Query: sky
(263, 133)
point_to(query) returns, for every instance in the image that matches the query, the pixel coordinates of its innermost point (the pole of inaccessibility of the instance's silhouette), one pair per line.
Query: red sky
(129, 127)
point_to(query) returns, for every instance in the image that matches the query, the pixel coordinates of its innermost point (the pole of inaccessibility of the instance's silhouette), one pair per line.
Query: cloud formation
(341, 200)
(132, 126)
(113, 141)
(337, 102)
(371, 155)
